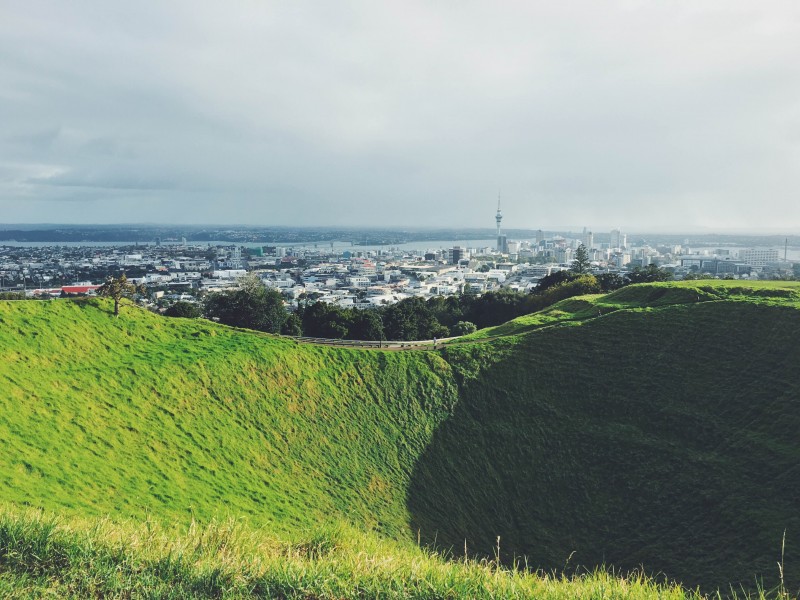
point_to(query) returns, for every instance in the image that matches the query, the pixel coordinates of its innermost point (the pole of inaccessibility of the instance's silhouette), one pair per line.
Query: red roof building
(78, 289)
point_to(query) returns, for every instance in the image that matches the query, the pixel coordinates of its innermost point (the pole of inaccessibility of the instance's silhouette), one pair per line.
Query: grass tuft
(81, 558)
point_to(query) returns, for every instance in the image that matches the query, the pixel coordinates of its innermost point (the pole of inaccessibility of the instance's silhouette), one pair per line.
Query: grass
(661, 435)
(144, 415)
(656, 436)
(652, 295)
(43, 555)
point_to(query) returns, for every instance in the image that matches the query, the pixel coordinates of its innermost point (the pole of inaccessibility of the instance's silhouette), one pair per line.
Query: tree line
(254, 306)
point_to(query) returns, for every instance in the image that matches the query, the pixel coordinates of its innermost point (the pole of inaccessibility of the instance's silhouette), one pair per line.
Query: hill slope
(665, 438)
(661, 433)
(179, 419)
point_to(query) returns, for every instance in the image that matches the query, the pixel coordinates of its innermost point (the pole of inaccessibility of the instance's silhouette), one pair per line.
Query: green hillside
(145, 415)
(653, 295)
(655, 426)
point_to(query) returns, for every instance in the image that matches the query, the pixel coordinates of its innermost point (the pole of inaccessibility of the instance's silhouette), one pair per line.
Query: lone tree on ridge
(118, 288)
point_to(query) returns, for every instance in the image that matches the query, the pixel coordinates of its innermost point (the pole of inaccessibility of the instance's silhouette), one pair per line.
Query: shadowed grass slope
(664, 437)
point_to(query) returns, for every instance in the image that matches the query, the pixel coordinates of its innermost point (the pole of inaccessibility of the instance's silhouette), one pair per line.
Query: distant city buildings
(758, 257)
(360, 277)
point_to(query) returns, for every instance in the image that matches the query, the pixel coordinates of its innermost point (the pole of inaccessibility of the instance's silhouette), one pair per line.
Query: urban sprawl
(361, 278)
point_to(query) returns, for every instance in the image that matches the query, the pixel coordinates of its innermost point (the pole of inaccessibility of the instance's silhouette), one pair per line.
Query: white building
(758, 257)
(229, 273)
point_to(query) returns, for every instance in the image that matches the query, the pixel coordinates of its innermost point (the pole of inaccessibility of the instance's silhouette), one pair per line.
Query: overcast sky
(654, 116)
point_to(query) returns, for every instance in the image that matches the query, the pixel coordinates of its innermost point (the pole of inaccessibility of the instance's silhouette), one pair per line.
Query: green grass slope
(144, 415)
(652, 295)
(661, 432)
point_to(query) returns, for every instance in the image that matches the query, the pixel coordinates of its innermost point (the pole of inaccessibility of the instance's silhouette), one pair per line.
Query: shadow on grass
(666, 441)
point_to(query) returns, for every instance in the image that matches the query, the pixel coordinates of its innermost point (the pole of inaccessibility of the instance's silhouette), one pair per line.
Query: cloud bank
(650, 115)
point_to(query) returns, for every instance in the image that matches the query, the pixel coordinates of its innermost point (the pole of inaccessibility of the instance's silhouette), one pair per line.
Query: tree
(12, 296)
(365, 325)
(186, 310)
(293, 326)
(649, 274)
(446, 309)
(250, 283)
(324, 320)
(412, 319)
(581, 263)
(575, 286)
(252, 306)
(493, 308)
(463, 328)
(118, 288)
(401, 321)
(436, 330)
(609, 281)
(552, 279)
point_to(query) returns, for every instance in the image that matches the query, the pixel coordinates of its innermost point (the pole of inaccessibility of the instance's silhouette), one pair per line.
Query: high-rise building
(563, 255)
(457, 253)
(502, 243)
(618, 239)
(758, 257)
(498, 218)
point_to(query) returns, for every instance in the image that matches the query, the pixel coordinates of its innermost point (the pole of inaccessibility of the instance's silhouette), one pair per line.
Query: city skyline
(651, 117)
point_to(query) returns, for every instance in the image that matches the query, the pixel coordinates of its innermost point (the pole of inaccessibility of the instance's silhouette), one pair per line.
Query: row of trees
(253, 306)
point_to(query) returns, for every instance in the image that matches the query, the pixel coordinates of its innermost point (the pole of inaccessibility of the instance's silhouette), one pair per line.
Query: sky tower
(499, 216)
(502, 246)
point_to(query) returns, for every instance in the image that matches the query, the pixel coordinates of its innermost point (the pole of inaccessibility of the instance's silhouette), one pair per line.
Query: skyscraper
(499, 217)
(618, 239)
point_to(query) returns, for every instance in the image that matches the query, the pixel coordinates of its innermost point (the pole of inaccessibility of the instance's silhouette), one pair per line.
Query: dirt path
(391, 345)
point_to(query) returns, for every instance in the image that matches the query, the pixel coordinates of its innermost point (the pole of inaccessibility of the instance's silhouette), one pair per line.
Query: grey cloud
(108, 146)
(38, 140)
(413, 113)
(93, 180)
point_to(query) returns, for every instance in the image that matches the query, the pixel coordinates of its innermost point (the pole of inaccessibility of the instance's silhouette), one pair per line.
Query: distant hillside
(655, 426)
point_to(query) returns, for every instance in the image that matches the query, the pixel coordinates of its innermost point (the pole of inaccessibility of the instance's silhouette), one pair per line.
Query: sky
(646, 115)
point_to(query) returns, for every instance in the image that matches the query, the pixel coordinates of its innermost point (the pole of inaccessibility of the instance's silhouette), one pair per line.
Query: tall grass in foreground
(43, 555)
